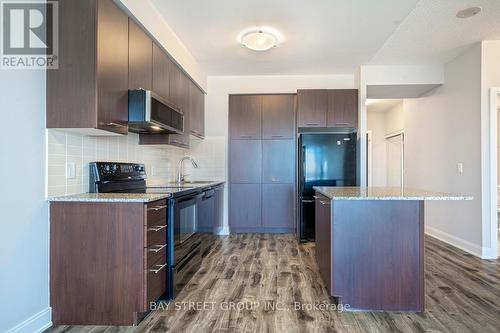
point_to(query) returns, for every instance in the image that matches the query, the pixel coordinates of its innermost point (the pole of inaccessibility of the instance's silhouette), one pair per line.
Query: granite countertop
(110, 197)
(385, 193)
(157, 192)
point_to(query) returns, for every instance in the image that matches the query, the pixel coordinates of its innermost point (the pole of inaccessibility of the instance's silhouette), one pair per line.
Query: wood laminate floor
(462, 293)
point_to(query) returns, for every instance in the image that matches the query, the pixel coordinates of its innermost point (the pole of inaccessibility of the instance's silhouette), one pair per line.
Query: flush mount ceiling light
(259, 40)
(468, 12)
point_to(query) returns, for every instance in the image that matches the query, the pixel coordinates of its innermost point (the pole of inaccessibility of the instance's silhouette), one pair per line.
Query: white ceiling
(328, 36)
(431, 34)
(320, 36)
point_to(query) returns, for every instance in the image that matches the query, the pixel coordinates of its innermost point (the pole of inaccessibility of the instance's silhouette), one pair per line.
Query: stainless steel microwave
(149, 113)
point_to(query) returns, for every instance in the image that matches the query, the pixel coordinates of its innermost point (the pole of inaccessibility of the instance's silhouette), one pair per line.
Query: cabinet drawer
(156, 213)
(156, 235)
(156, 277)
(154, 253)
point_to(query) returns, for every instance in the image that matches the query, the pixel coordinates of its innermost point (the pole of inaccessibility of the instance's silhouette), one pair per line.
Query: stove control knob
(107, 168)
(114, 167)
(139, 168)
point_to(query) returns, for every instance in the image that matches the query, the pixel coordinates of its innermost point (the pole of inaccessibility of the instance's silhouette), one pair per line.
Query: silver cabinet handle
(157, 208)
(323, 202)
(158, 270)
(157, 248)
(316, 197)
(312, 124)
(276, 136)
(245, 136)
(112, 124)
(157, 228)
(342, 124)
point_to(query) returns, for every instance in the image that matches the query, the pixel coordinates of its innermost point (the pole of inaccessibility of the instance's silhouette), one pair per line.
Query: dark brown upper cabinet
(162, 66)
(245, 158)
(278, 161)
(312, 107)
(245, 116)
(140, 58)
(90, 88)
(179, 94)
(342, 108)
(196, 110)
(278, 206)
(178, 88)
(278, 116)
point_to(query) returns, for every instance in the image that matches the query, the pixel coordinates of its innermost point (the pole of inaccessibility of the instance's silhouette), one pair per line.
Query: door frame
(394, 134)
(493, 219)
(369, 157)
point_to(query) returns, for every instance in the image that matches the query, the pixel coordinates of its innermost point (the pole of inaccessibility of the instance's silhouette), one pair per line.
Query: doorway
(395, 159)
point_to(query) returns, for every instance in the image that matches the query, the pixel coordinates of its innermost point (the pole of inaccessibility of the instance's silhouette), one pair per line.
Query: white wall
(490, 78)
(389, 75)
(442, 129)
(382, 123)
(220, 87)
(24, 288)
(375, 123)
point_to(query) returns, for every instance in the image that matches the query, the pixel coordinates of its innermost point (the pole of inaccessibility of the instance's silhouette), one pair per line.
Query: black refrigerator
(325, 159)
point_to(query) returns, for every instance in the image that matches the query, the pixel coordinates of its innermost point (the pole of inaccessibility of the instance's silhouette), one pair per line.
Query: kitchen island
(370, 245)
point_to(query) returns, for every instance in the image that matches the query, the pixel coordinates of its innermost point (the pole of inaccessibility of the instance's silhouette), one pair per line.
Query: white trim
(393, 134)
(369, 136)
(492, 251)
(220, 231)
(37, 323)
(460, 243)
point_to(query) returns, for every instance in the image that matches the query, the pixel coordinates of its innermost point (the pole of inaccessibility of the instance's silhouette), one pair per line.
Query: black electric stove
(183, 237)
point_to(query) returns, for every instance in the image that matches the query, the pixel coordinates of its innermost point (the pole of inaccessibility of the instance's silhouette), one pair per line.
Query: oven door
(186, 236)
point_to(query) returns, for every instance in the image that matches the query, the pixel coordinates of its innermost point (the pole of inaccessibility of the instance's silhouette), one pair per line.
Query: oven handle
(188, 258)
(189, 198)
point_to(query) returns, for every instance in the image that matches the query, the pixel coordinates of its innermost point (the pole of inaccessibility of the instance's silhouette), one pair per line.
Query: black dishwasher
(206, 211)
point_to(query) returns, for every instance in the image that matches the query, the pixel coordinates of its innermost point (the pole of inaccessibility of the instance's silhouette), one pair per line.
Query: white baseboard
(37, 323)
(460, 243)
(222, 231)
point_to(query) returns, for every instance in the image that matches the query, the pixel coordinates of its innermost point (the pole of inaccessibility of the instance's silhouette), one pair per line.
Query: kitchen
(238, 200)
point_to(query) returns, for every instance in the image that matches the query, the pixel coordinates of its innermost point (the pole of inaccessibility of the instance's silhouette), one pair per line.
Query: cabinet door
(343, 108)
(312, 107)
(177, 87)
(245, 116)
(180, 97)
(140, 58)
(278, 161)
(112, 68)
(278, 206)
(206, 214)
(278, 116)
(161, 72)
(323, 239)
(197, 110)
(245, 160)
(218, 208)
(245, 207)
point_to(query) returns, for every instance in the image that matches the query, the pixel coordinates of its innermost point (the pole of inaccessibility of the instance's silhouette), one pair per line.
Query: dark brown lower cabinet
(278, 207)
(107, 261)
(245, 208)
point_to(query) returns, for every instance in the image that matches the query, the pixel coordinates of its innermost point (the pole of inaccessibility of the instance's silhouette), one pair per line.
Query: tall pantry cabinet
(262, 163)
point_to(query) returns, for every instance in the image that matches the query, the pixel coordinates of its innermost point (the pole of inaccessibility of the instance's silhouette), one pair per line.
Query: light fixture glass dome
(259, 40)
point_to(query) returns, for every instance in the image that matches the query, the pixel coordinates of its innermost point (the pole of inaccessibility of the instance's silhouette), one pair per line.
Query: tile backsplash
(160, 161)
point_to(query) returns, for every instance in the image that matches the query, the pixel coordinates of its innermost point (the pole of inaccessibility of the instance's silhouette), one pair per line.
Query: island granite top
(110, 197)
(385, 193)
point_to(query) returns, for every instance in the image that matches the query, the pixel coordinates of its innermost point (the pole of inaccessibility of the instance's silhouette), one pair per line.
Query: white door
(395, 159)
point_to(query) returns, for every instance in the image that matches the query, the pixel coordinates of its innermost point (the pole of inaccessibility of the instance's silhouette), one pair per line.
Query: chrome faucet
(180, 168)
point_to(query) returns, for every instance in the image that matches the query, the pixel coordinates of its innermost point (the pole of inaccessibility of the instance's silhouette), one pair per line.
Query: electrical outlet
(70, 170)
(460, 168)
(154, 171)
